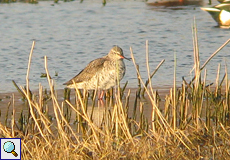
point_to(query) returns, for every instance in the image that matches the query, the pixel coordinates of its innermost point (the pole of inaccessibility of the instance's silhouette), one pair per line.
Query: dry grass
(192, 123)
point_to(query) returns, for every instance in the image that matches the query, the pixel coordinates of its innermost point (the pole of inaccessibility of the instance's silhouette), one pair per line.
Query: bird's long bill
(123, 57)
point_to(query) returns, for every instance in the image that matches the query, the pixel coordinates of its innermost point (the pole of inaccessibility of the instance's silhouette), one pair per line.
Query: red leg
(101, 95)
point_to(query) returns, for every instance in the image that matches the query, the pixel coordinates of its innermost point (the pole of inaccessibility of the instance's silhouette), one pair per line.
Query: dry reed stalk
(171, 108)
(57, 109)
(224, 129)
(139, 82)
(147, 65)
(28, 68)
(84, 115)
(139, 76)
(28, 97)
(150, 77)
(5, 131)
(149, 81)
(206, 62)
(127, 102)
(164, 122)
(196, 48)
(196, 56)
(208, 112)
(123, 122)
(40, 93)
(31, 110)
(117, 89)
(174, 103)
(221, 47)
(166, 108)
(13, 118)
(197, 72)
(227, 105)
(217, 80)
(66, 123)
(183, 107)
(203, 93)
(43, 118)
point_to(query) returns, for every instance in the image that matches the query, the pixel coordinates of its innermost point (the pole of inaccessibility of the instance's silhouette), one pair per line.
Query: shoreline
(14, 101)
(6, 95)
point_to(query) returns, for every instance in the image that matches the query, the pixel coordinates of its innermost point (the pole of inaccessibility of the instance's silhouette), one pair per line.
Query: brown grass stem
(147, 66)
(174, 95)
(206, 62)
(167, 127)
(221, 47)
(28, 68)
(57, 107)
(31, 104)
(150, 77)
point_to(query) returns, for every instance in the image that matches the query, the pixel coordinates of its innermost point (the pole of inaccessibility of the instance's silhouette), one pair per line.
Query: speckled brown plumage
(101, 73)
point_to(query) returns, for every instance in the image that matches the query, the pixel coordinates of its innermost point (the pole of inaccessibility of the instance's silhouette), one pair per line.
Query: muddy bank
(14, 100)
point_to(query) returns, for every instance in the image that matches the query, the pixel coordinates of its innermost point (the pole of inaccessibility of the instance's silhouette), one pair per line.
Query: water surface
(72, 34)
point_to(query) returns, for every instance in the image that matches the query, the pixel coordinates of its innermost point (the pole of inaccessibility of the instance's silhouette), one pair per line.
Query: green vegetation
(192, 122)
(37, 1)
(13, 1)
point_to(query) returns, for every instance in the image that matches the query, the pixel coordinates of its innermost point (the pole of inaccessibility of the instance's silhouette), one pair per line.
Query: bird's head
(116, 53)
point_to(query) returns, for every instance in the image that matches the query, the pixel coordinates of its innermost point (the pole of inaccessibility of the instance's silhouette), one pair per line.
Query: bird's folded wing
(88, 72)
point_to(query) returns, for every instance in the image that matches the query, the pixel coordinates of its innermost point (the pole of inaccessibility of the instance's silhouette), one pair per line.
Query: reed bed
(192, 122)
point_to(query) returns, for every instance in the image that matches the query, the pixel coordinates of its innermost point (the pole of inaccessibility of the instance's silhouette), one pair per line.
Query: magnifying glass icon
(9, 147)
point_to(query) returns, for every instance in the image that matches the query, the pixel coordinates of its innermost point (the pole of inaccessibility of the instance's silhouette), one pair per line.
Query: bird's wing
(88, 72)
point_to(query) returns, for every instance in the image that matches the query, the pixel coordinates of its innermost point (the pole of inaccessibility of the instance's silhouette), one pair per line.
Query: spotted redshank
(102, 73)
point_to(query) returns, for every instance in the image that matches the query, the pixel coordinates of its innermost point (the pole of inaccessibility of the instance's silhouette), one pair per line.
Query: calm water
(72, 34)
